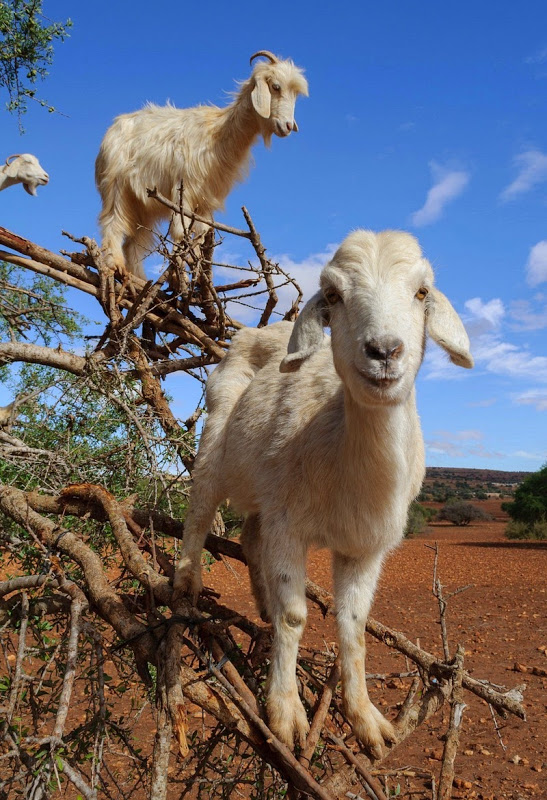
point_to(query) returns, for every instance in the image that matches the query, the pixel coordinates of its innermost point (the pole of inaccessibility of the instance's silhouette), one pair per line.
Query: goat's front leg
(355, 581)
(284, 569)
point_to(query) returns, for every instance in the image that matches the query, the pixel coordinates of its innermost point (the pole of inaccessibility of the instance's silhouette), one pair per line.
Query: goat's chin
(371, 389)
(30, 188)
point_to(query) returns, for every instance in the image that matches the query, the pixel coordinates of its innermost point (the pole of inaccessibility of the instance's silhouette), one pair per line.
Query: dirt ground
(502, 622)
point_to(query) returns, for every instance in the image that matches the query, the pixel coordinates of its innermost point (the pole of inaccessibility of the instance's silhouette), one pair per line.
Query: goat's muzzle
(385, 349)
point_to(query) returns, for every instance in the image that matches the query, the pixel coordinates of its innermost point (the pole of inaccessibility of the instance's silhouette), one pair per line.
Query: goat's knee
(286, 714)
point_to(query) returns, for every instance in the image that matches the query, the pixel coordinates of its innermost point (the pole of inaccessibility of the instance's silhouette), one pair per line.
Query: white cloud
(305, 273)
(486, 403)
(531, 456)
(483, 318)
(486, 314)
(538, 58)
(461, 436)
(448, 184)
(526, 318)
(437, 365)
(459, 444)
(492, 353)
(504, 358)
(536, 266)
(532, 166)
(533, 397)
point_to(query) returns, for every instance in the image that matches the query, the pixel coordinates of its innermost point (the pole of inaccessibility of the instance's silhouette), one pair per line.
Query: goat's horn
(15, 155)
(266, 54)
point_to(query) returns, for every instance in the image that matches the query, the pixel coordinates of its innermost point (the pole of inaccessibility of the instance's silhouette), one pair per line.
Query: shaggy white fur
(23, 168)
(206, 149)
(318, 441)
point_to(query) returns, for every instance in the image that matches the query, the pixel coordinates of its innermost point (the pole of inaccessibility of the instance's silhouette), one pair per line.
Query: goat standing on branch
(205, 149)
(318, 441)
(23, 168)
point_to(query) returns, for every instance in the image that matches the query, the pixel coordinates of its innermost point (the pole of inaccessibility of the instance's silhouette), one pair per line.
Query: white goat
(323, 447)
(23, 168)
(206, 149)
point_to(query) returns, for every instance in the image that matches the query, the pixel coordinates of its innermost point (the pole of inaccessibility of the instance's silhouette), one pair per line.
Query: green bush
(418, 517)
(527, 530)
(460, 512)
(530, 503)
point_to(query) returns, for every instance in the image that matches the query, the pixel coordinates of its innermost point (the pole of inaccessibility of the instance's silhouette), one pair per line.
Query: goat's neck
(380, 438)
(237, 130)
(6, 180)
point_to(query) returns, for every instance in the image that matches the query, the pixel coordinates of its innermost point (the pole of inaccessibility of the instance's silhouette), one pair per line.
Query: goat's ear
(307, 334)
(446, 328)
(261, 98)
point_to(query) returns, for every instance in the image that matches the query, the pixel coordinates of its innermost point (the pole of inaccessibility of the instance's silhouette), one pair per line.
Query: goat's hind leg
(251, 542)
(199, 518)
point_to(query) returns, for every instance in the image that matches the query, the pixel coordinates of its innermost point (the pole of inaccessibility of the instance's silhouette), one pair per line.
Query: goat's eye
(331, 296)
(276, 87)
(422, 293)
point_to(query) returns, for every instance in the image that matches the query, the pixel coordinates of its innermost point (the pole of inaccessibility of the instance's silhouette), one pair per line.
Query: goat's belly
(357, 538)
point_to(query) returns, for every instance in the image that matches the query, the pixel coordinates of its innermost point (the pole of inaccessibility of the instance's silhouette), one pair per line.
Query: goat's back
(251, 350)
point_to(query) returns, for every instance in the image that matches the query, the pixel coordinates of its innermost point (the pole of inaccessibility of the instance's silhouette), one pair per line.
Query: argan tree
(27, 42)
(105, 690)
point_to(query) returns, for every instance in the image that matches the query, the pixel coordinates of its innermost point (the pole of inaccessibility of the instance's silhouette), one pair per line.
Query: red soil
(501, 621)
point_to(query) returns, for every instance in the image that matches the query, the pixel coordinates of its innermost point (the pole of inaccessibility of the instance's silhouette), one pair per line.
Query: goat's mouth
(31, 187)
(381, 382)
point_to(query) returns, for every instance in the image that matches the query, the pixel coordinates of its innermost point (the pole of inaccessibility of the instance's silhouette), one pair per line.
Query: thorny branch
(90, 540)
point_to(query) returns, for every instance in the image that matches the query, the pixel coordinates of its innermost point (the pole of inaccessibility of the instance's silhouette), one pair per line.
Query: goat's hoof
(187, 583)
(288, 721)
(373, 730)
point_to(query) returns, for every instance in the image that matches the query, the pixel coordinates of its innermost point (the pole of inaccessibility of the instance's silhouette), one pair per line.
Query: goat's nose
(384, 349)
(289, 126)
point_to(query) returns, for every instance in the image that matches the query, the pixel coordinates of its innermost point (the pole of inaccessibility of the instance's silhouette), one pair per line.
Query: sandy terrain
(501, 621)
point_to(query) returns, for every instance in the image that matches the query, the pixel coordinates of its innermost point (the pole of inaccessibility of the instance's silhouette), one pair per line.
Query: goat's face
(375, 289)
(377, 294)
(26, 169)
(276, 89)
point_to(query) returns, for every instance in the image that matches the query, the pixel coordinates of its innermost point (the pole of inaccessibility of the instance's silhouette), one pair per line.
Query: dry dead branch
(91, 597)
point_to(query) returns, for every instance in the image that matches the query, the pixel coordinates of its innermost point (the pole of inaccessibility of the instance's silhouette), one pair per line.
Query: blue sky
(426, 117)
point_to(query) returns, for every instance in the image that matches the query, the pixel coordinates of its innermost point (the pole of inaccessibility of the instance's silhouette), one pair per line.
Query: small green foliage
(418, 517)
(460, 513)
(530, 503)
(527, 530)
(26, 50)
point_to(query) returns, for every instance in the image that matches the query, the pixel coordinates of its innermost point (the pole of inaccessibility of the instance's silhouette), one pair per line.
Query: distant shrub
(418, 517)
(527, 530)
(460, 512)
(530, 503)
